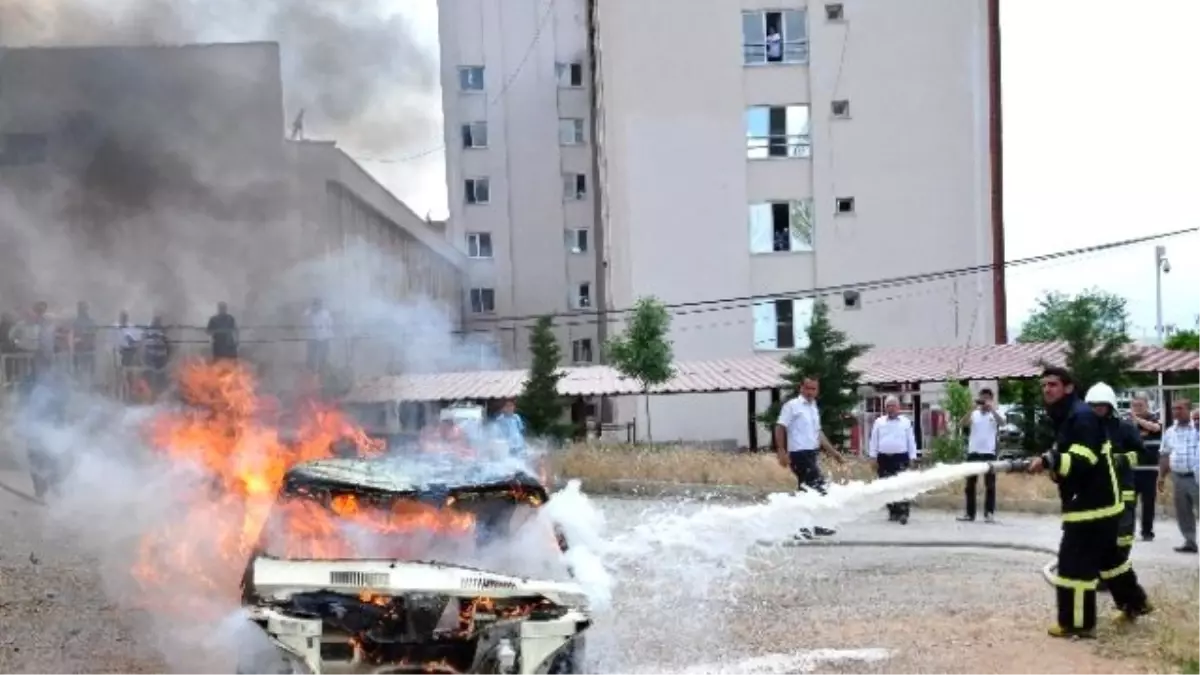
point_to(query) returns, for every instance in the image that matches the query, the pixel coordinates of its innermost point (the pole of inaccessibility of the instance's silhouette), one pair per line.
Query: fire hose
(1049, 570)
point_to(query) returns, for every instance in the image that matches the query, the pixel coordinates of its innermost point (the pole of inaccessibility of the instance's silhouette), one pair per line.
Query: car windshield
(329, 523)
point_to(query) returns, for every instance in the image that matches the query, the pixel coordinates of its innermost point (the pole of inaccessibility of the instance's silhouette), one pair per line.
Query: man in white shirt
(1180, 457)
(798, 437)
(320, 325)
(892, 446)
(984, 425)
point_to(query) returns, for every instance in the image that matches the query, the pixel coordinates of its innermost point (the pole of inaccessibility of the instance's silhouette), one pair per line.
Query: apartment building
(756, 152)
(517, 98)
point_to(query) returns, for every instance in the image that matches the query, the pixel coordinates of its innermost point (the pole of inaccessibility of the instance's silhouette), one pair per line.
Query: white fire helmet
(1101, 393)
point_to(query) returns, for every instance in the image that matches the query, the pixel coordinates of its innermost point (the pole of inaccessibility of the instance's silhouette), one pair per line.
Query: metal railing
(779, 145)
(790, 51)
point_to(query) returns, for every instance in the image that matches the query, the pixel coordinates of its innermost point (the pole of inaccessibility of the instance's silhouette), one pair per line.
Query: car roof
(404, 475)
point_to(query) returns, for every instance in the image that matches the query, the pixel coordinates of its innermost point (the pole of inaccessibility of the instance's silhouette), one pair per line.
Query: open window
(475, 135)
(569, 74)
(782, 323)
(782, 226)
(778, 131)
(774, 36)
(577, 240)
(574, 186)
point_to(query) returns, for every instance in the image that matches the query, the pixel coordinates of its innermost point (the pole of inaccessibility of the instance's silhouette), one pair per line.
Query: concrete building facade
(159, 179)
(758, 152)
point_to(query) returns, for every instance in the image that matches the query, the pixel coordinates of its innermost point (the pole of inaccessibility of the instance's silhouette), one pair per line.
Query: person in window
(774, 45)
(223, 330)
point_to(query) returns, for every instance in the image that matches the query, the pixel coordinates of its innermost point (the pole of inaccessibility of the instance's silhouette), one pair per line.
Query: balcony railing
(779, 145)
(792, 51)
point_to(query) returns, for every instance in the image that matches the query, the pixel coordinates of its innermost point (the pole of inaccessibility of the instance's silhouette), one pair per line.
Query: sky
(1101, 119)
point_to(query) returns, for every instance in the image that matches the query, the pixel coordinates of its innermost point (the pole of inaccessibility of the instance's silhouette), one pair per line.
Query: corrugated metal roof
(879, 366)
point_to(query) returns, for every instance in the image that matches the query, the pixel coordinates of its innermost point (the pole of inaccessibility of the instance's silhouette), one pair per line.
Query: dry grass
(600, 465)
(1169, 641)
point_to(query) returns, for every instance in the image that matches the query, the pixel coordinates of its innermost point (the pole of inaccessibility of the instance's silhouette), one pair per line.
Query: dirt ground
(931, 610)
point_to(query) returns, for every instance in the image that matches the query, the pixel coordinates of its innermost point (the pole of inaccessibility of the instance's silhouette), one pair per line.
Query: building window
(23, 149)
(781, 226)
(470, 78)
(483, 300)
(475, 135)
(583, 296)
(477, 190)
(570, 131)
(581, 350)
(782, 324)
(778, 131)
(569, 74)
(844, 206)
(840, 109)
(574, 186)
(479, 244)
(774, 37)
(834, 11)
(577, 241)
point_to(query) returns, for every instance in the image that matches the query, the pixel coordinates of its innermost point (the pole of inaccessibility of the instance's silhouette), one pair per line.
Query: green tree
(540, 403)
(1093, 326)
(1183, 340)
(644, 352)
(828, 358)
(956, 402)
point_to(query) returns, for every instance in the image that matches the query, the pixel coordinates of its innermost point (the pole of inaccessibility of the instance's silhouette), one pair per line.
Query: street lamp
(1161, 266)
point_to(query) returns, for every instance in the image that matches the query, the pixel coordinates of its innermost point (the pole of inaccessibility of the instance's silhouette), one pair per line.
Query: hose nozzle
(1009, 466)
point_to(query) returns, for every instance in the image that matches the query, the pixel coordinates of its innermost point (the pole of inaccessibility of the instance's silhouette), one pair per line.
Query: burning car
(370, 566)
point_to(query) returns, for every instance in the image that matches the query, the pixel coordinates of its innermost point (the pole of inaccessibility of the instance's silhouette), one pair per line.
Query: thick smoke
(164, 182)
(356, 68)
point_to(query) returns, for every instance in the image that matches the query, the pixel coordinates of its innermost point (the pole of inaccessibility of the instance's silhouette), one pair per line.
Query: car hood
(276, 579)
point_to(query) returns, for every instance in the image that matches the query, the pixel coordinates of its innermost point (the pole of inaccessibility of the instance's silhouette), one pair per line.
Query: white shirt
(984, 432)
(1182, 445)
(892, 436)
(321, 322)
(802, 420)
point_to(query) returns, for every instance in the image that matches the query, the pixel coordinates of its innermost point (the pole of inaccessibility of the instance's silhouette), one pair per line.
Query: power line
(543, 21)
(725, 304)
(746, 300)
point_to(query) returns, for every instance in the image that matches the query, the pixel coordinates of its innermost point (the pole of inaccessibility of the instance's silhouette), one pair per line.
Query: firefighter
(1091, 502)
(1127, 451)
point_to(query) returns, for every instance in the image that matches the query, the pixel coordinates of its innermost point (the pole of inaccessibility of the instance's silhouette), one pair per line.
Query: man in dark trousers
(223, 330)
(983, 425)
(799, 439)
(1091, 502)
(893, 447)
(1145, 479)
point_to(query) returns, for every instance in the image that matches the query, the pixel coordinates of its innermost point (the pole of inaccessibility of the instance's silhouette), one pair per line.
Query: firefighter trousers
(1082, 552)
(1116, 567)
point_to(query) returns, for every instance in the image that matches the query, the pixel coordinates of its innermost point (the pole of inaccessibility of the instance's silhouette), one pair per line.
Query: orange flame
(226, 433)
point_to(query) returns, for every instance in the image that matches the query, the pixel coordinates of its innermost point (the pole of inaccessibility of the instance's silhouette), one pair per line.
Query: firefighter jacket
(1128, 452)
(1081, 463)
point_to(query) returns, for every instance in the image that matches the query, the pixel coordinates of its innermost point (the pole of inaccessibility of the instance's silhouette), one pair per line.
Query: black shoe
(1189, 547)
(892, 517)
(824, 531)
(966, 519)
(1147, 536)
(805, 534)
(904, 519)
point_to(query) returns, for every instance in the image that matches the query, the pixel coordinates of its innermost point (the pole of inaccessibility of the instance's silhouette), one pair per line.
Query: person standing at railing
(223, 330)
(8, 349)
(320, 326)
(156, 353)
(1145, 478)
(84, 342)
